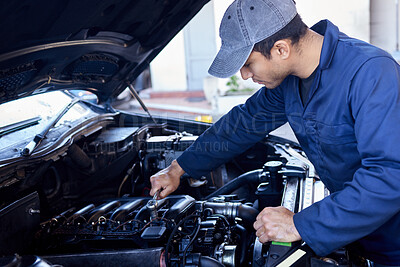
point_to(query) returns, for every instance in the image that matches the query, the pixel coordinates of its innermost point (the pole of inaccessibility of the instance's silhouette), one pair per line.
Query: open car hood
(99, 46)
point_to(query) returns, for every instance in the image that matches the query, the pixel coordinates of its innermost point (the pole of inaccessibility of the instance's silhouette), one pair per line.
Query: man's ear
(282, 49)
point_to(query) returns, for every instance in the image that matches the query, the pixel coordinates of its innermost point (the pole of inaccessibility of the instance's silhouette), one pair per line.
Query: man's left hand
(276, 224)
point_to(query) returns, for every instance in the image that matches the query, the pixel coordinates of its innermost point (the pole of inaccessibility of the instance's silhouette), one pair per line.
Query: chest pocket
(335, 134)
(338, 152)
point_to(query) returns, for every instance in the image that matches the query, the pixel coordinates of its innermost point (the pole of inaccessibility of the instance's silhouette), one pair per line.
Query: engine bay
(91, 206)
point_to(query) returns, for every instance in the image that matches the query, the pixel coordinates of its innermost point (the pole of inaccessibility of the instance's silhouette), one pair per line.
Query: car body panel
(97, 46)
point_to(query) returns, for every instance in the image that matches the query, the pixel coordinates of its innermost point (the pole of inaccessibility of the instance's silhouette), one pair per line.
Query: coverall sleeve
(235, 132)
(373, 196)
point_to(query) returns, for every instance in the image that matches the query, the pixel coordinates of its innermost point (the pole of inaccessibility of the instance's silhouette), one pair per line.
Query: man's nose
(245, 73)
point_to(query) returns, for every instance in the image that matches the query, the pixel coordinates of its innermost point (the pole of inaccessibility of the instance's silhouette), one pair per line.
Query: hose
(251, 177)
(231, 210)
(209, 262)
(53, 191)
(79, 157)
(191, 241)
(243, 243)
(248, 215)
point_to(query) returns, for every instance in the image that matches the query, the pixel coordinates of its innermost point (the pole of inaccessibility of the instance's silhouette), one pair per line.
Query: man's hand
(167, 180)
(276, 224)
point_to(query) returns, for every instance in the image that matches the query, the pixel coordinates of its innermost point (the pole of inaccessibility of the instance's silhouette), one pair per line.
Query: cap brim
(228, 62)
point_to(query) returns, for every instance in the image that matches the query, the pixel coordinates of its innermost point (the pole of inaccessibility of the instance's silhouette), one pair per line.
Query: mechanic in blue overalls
(341, 97)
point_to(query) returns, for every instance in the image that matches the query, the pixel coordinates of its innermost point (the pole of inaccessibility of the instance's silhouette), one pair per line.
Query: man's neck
(308, 54)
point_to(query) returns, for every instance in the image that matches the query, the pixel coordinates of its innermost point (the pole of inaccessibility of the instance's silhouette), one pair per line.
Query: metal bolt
(32, 211)
(274, 256)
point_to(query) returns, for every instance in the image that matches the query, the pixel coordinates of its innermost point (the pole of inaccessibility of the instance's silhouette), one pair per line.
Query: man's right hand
(167, 180)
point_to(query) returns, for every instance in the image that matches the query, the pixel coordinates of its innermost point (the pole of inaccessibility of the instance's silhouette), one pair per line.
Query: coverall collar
(331, 38)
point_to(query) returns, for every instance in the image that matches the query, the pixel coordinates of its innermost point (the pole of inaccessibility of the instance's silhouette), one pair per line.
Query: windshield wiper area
(30, 147)
(19, 125)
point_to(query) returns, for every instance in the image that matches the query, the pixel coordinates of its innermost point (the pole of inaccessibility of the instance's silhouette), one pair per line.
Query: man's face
(269, 72)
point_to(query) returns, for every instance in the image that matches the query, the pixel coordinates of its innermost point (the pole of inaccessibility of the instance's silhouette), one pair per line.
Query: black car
(74, 174)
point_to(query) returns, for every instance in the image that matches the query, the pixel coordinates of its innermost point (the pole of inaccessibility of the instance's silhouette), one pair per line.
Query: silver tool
(152, 205)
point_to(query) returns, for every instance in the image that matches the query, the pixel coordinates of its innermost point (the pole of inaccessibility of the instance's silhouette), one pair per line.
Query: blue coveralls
(349, 129)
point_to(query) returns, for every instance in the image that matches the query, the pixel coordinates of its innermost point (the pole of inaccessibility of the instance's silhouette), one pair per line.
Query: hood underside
(99, 46)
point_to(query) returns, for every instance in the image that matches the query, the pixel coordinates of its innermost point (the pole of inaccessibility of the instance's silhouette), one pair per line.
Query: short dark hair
(293, 31)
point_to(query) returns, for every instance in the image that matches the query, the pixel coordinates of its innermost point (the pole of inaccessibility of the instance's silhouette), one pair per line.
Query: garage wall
(351, 16)
(383, 24)
(167, 70)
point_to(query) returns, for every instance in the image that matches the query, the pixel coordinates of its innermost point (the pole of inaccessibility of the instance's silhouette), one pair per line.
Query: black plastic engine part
(138, 257)
(113, 140)
(232, 210)
(17, 224)
(121, 213)
(270, 192)
(95, 214)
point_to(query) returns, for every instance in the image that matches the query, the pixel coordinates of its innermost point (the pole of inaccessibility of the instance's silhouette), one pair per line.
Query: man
(341, 96)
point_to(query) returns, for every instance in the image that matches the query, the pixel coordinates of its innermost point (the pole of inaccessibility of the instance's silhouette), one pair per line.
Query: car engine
(90, 205)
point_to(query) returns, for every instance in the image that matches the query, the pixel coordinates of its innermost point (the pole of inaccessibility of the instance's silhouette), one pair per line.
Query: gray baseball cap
(245, 23)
